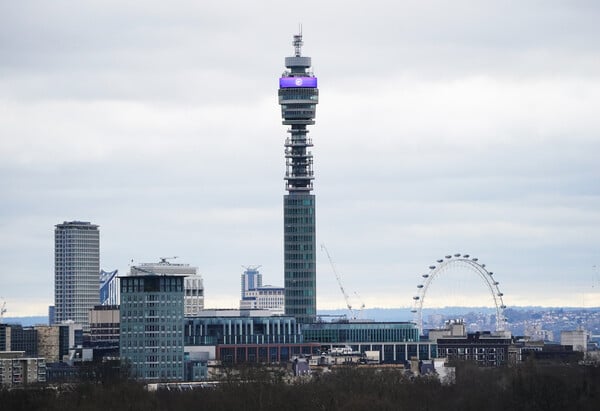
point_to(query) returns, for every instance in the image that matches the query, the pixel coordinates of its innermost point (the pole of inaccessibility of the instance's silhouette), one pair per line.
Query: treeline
(528, 387)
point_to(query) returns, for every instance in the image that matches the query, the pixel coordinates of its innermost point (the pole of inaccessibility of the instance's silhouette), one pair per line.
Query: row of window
(178, 375)
(291, 293)
(299, 266)
(300, 256)
(152, 284)
(147, 297)
(299, 247)
(152, 327)
(299, 105)
(299, 220)
(302, 114)
(355, 333)
(145, 343)
(299, 238)
(299, 211)
(298, 202)
(294, 229)
(163, 358)
(299, 274)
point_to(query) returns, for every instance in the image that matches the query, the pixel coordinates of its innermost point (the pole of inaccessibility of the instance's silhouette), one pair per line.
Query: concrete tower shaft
(298, 97)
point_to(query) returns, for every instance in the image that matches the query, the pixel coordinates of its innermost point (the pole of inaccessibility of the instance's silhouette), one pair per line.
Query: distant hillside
(405, 314)
(26, 321)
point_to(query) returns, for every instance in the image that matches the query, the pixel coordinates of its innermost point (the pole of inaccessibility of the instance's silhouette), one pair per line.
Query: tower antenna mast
(297, 43)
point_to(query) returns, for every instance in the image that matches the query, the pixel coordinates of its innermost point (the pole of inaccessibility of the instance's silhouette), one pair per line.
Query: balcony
(291, 154)
(306, 142)
(295, 176)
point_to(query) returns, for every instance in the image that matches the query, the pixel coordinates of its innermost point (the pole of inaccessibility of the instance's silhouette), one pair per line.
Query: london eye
(458, 261)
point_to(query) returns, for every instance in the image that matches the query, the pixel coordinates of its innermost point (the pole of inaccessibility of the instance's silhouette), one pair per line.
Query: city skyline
(442, 129)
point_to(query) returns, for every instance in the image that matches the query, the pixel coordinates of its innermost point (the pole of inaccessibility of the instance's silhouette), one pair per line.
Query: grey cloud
(463, 127)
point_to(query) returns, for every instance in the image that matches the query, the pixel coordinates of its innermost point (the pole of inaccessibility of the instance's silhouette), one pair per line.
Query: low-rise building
(246, 336)
(483, 348)
(265, 298)
(396, 342)
(18, 370)
(256, 296)
(104, 331)
(577, 339)
(49, 343)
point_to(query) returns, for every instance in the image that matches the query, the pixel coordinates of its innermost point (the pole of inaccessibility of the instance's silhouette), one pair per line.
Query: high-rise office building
(298, 96)
(76, 268)
(251, 278)
(193, 284)
(151, 329)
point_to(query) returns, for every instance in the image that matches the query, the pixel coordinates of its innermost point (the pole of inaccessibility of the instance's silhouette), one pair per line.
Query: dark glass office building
(151, 329)
(298, 97)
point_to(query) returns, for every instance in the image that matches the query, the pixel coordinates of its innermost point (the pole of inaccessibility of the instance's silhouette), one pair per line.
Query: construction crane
(2, 310)
(339, 280)
(143, 270)
(362, 305)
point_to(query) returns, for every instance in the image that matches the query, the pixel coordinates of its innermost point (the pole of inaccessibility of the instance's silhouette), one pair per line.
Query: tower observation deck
(298, 97)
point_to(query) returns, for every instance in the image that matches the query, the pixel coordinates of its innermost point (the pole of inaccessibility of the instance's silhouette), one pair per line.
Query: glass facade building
(247, 338)
(109, 287)
(352, 332)
(193, 283)
(251, 279)
(241, 330)
(151, 330)
(397, 342)
(76, 269)
(298, 97)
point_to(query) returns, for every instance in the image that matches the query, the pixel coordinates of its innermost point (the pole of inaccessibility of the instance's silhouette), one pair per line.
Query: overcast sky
(442, 128)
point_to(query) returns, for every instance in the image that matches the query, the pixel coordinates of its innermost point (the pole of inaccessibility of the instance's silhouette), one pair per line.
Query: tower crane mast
(339, 280)
(2, 309)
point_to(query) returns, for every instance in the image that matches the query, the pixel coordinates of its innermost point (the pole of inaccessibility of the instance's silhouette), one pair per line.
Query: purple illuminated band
(289, 82)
